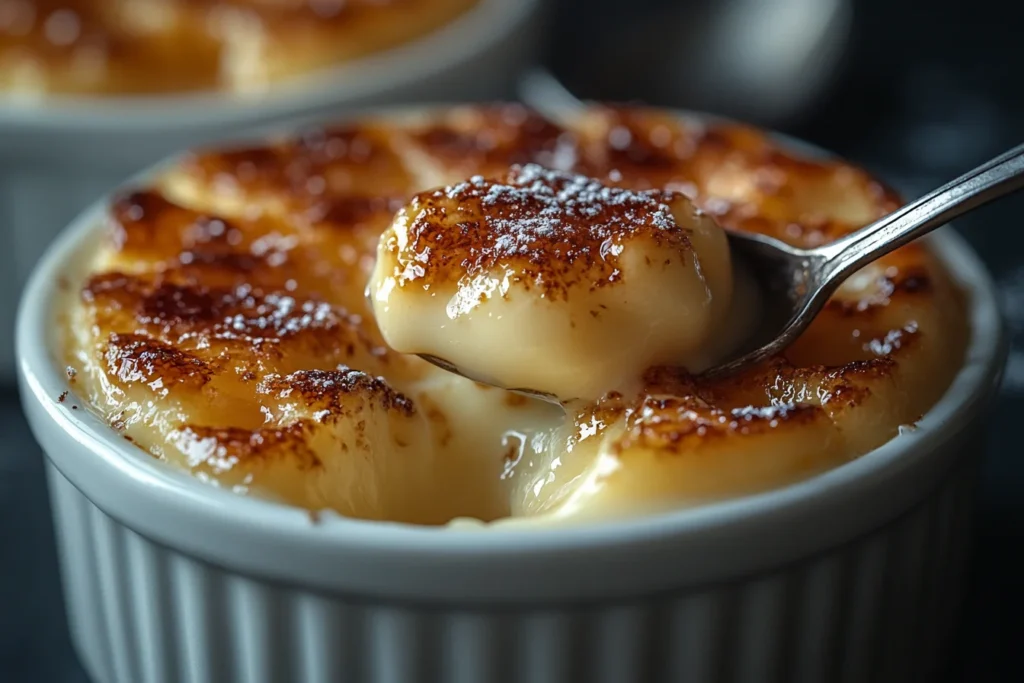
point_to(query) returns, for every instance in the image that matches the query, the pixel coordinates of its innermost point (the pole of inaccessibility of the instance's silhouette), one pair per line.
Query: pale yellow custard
(222, 323)
(554, 282)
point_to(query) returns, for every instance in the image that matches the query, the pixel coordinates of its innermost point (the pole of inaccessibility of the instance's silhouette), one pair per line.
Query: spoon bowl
(783, 276)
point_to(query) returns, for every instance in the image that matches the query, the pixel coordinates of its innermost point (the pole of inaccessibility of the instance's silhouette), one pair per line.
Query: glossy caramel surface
(108, 47)
(222, 325)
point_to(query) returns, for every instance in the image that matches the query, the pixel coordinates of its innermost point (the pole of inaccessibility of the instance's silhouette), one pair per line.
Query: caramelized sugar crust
(134, 46)
(515, 223)
(222, 322)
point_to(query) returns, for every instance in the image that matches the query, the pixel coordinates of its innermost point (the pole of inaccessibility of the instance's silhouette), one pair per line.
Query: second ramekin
(852, 576)
(58, 155)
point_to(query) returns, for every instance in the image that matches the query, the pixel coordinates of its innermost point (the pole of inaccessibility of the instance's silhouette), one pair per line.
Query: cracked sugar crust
(488, 140)
(325, 390)
(221, 322)
(553, 229)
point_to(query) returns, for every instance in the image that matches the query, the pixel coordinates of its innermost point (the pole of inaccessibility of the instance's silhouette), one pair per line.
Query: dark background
(924, 92)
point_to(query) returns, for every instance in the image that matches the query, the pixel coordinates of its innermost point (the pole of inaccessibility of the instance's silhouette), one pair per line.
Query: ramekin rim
(43, 380)
(455, 41)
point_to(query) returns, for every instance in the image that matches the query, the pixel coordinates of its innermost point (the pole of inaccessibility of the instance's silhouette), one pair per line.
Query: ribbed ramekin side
(878, 609)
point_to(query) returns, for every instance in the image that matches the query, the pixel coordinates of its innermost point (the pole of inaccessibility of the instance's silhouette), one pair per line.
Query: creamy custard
(553, 282)
(222, 322)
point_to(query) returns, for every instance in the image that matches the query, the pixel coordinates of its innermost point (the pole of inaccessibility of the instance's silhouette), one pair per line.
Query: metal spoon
(796, 283)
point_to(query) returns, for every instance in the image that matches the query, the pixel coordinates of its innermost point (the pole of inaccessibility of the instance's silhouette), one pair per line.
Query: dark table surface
(946, 108)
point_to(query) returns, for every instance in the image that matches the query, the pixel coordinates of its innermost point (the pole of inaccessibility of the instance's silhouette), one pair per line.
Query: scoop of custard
(552, 281)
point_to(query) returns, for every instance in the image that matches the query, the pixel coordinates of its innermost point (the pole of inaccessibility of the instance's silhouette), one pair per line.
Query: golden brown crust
(515, 224)
(318, 165)
(488, 140)
(325, 391)
(228, 448)
(233, 288)
(243, 327)
(672, 425)
(140, 358)
(735, 174)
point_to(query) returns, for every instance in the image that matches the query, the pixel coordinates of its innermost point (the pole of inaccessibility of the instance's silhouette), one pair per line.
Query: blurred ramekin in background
(58, 154)
(853, 576)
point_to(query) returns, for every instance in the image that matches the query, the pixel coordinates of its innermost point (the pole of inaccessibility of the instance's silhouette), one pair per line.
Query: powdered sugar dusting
(567, 202)
(552, 225)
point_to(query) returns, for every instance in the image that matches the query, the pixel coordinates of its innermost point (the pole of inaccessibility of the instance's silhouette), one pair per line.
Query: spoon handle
(993, 179)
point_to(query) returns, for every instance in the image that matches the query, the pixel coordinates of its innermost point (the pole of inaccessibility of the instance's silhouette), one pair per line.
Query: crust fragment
(520, 220)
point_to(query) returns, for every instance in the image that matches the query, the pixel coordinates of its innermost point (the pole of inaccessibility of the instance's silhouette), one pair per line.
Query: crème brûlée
(221, 322)
(107, 47)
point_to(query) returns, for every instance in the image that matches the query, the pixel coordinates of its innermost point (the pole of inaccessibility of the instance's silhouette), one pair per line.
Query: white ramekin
(852, 576)
(60, 154)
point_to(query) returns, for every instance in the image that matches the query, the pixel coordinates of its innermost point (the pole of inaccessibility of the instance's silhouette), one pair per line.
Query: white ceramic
(58, 155)
(854, 576)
